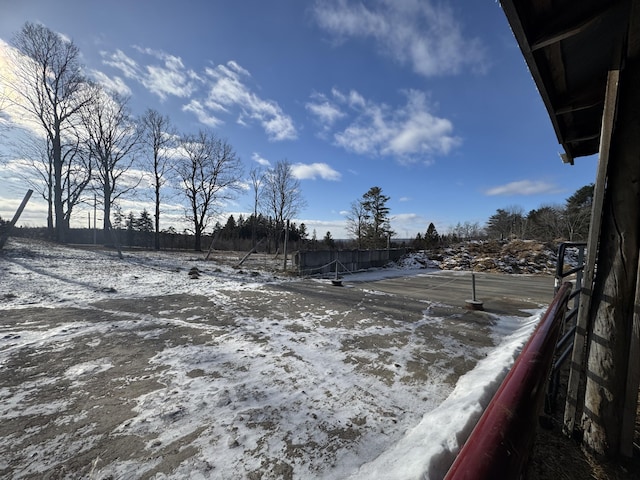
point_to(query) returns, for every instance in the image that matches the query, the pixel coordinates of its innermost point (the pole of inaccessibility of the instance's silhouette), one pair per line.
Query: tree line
(92, 146)
(548, 223)
(368, 223)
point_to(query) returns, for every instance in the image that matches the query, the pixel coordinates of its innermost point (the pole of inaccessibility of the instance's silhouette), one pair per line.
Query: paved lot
(145, 386)
(500, 294)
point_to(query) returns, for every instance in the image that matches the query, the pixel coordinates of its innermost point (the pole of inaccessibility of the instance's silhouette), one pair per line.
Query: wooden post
(614, 287)
(253, 249)
(577, 370)
(15, 218)
(286, 238)
(633, 380)
(95, 211)
(213, 241)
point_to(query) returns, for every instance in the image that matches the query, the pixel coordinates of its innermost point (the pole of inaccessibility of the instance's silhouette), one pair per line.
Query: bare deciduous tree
(158, 137)
(47, 86)
(357, 222)
(281, 196)
(210, 173)
(37, 157)
(256, 178)
(112, 138)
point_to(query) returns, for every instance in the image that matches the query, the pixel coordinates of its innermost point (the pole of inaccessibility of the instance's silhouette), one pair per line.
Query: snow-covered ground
(229, 375)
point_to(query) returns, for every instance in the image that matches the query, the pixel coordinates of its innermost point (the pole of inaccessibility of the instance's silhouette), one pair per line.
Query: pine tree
(328, 241)
(378, 228)
(431, 238)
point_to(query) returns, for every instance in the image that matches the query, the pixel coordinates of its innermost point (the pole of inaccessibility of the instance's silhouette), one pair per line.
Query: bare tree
(210, 173)
(256, 178)
(47, 84)
(357, 222)
(158, 137)
(76, 172)
(4, 124)
(281, 195)
(112, 138)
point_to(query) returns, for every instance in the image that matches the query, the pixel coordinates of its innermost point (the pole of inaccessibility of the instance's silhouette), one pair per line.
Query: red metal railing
(500, 444)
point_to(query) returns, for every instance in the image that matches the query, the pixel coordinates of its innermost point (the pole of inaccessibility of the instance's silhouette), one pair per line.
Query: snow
(272, 384)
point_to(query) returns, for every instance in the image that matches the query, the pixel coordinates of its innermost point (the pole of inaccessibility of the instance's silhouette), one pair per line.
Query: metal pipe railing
(500, 444)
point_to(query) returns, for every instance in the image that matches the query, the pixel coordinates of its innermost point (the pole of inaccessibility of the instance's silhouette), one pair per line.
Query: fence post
(15, 218)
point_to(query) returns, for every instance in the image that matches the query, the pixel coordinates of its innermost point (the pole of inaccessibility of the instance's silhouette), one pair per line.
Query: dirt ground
(66, 391)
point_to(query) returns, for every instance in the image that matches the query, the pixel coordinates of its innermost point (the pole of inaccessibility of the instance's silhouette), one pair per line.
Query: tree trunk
(197, 238)
(106, 224)
(157, 217)
(57, 190)
(50, 229)
(614, 287)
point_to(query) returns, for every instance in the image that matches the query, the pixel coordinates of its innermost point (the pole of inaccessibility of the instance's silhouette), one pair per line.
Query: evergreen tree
(118, 218)
(302, 232)
(328, 241)
(418, 242)
(431, 238)
(577, 214)
(229, 230)
(369, 220)
(144, 222)
(131, 225)
(145, 226)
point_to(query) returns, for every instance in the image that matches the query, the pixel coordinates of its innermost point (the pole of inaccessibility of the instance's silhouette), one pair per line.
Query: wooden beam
(633, 380)
(5, 236)
(577, 372)
(515, 21)
(550, 38)
(578, 106)
(563, 25)
(633, 376)
(584, 138)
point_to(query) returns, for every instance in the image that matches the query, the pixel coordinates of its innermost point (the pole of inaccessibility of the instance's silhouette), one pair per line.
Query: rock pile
(516, 256)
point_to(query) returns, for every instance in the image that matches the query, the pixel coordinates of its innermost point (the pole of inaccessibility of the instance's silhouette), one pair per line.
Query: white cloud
(260, 160)
(227, 90)
(336, 227)
(424, 34)
(12, 92)
(523, 187)
(170, 77)
(122, 62)
(195, 107)
(113, 84)
(407, 133)
(314, 170)
(407, 225)
(324, 110)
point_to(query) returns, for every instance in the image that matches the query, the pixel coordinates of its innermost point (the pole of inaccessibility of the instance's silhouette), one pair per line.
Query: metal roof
(569, 46)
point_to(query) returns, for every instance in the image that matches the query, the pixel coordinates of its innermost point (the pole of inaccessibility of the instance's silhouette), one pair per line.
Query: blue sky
(431, 101)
